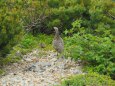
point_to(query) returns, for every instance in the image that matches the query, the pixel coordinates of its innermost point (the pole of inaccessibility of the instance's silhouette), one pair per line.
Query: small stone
(31, 68)
(33, 58)
(15, 64)
(15, 74)
(28, 59)
(75, 71)
(18, 53)
(53, 60)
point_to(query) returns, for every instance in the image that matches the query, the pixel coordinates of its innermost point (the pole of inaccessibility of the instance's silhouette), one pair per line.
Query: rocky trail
(39, 70)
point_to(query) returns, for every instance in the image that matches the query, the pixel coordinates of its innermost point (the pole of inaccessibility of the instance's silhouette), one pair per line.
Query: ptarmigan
(58, 43)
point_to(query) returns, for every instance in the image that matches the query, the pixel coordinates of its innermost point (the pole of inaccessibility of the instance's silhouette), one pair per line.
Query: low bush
(91, 79)
(1, 72)
(27, 44)
(97, 52)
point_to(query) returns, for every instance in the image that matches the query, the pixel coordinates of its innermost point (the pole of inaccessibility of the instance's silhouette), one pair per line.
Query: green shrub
(91, 79)
(47, 39)
(10, 59)
(15, 15)
(26, 45)
(28, 42)
(1, 72)
(11, 31)
(53, 3)
(97, 52)
(96, 16)
(11, 23)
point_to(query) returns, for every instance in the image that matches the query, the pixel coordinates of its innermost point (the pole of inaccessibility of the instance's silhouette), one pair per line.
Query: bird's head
(56, 29)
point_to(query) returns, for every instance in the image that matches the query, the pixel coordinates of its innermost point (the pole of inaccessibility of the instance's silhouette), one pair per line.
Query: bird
(42, 45)
(57, 42)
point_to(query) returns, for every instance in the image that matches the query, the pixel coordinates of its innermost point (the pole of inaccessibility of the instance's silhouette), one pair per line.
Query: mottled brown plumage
(58, 43)
(42, 45)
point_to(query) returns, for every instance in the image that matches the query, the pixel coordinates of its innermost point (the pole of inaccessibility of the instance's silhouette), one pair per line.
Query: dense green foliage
(1, 72)
(89, 27)
(26, 45)
(93, 15)
(15, 19)
(91, 79)
(10, 26)
(98, 52)
(41, 15)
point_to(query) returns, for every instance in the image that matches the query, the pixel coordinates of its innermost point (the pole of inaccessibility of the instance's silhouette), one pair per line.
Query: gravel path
(35, 71)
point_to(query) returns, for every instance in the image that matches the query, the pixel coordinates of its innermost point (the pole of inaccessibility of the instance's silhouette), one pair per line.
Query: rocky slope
(36, 69)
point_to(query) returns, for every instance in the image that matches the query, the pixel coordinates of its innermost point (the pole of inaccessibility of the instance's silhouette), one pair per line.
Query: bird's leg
(57, 53)
(62, 57)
